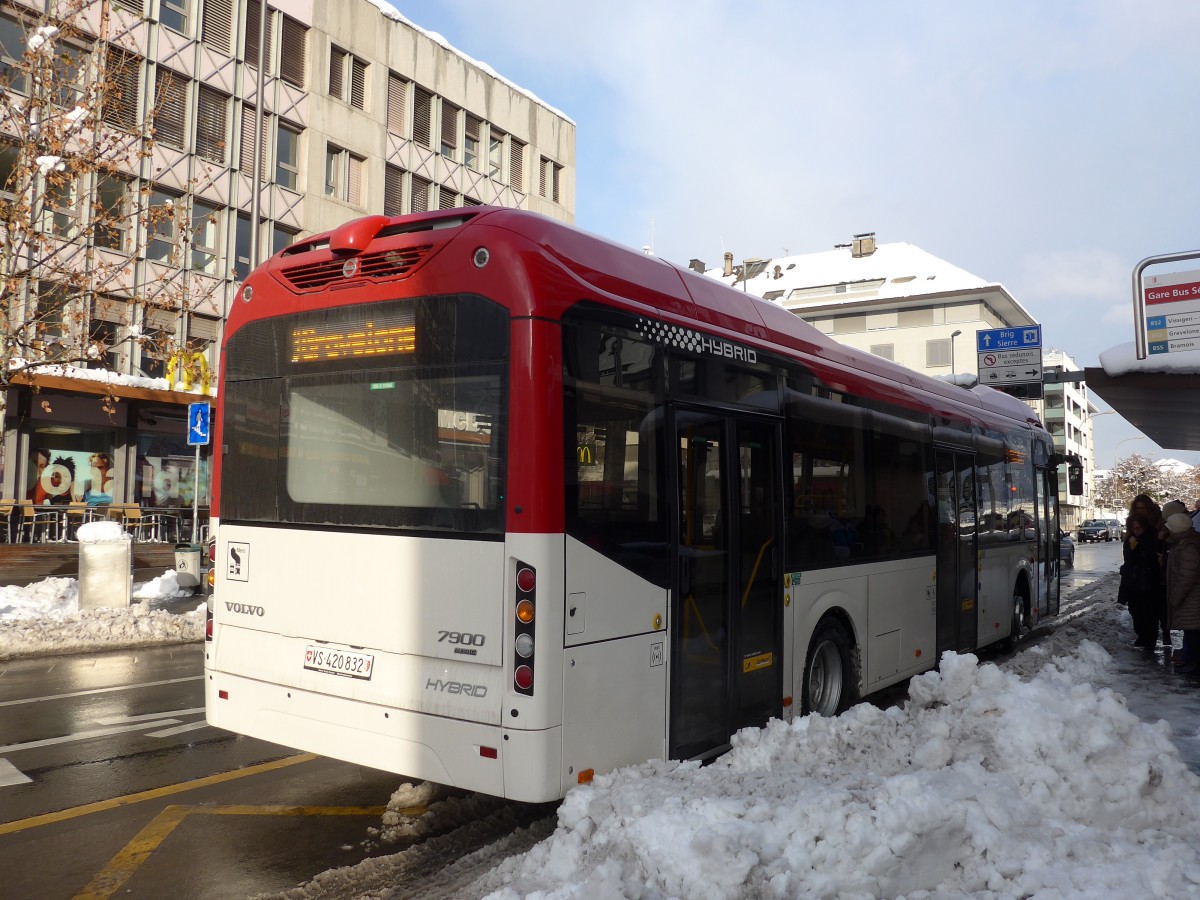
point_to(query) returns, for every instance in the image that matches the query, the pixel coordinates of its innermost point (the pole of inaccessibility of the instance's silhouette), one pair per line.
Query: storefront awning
(102, 388)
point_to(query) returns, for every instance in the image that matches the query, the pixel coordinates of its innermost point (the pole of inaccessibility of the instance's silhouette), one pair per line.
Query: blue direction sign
(1025, 338)
(199, 419)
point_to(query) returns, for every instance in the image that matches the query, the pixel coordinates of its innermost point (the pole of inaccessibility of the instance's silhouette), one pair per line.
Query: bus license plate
(350, 663)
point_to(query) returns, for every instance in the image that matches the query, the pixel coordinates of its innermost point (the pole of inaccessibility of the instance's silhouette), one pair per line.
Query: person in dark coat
(1141, 590)
(1183, 588)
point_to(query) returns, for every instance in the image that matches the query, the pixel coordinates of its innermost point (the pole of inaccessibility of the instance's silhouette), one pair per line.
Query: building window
(397, 104)
(420, 193)
(246, 149)
(287, 156)
(293, 63)
(471, 131)
(12, 50)
(174, 14)
(937, 352)
(109, 315)
(133, 6)
(495, 154)
(62, 203)
(243, 238)
(162, 226)
(50, 320)
(253, 14)
(344, 175)
(886, 351)
(123, 72)
(205, 235)
(449, 147)
(516, 165)
(211, 124)
(158, 340)
(170, 109)
(282, 238)
(423, 117)
(347, 77)
(447, 199)
(849, 324)
(393, 190)
(110, 224)
(10, 155)
(216, 25)
(548, 179)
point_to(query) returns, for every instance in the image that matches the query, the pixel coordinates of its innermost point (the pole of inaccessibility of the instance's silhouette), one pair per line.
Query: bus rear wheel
(1009, 644)
(830, 671)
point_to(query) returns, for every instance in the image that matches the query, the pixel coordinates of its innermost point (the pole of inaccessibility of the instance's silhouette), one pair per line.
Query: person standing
(1141, 590)
(1183, 587)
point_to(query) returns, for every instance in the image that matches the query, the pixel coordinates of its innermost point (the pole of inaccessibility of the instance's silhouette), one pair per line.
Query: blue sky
(1046, 146)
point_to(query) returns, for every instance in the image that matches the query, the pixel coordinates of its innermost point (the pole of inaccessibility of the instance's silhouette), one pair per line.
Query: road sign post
(198, 427)
(1010, 360)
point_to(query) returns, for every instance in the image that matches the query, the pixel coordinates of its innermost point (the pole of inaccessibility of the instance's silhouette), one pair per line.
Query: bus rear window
(407, 437)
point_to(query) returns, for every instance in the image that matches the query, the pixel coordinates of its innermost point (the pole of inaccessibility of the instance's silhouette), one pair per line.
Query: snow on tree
(1139, 475)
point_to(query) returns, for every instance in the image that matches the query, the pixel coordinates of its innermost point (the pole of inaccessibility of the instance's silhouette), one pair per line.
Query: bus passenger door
(727, 615)
(957, 552)
(1050, 567)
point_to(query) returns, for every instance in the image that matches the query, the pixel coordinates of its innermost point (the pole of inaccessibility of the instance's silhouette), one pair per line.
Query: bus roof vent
(380, 265)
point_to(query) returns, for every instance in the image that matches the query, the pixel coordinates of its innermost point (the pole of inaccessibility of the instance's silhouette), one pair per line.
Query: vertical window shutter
(133, 6)
(447, 199)
(210, 124)
(292, 64)
(358, 83)
(161, 319)
(542, 176)
(397, 94)
(449, 127)
(393, 191)
(555, 171)
(171, 114)
(216, 25)
(473, 127)
(337, 69)
(423, 117)
(253, 12)
(355, 193)
(203, 329)
(124, 76)
(516, 165)
(249, 121)
(420, 194)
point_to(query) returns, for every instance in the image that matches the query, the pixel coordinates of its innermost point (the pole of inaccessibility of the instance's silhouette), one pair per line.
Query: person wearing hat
(1183, 587)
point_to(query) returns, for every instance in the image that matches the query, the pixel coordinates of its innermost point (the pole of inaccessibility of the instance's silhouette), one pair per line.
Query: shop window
(165, 468)
(71, 464)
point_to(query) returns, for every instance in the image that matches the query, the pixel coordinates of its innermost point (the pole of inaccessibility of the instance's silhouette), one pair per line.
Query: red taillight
(526, 580)
(212, 552)
(523, 678)
(208, 629)
(524, 611)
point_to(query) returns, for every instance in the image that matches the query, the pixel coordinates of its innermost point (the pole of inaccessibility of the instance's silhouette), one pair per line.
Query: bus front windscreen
(382, 415)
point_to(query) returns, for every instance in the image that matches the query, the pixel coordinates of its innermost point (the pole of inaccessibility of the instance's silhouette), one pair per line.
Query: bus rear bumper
(469, 755)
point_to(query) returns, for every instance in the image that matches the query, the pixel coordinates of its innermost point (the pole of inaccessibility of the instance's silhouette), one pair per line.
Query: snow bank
(981, 784)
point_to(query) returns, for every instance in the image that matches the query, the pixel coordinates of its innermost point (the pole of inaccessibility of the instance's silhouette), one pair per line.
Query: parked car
(1099, 530)
(1066, 549)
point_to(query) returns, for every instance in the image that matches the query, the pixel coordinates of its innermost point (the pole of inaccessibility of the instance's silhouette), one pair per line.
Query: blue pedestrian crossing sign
(199, 420)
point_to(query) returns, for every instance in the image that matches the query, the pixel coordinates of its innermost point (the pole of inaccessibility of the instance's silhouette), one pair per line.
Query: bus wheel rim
(825, 679)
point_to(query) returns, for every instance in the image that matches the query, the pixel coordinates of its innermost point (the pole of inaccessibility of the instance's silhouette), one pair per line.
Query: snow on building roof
(390, 12)
(900, 269)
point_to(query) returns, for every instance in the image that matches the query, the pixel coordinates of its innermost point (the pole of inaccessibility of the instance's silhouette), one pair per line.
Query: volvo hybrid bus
(503, 505)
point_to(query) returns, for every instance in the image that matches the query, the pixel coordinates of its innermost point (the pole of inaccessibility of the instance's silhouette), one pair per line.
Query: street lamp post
(953, 370)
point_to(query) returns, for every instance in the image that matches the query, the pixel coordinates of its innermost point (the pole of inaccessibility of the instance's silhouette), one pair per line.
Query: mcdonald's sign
(586, 454)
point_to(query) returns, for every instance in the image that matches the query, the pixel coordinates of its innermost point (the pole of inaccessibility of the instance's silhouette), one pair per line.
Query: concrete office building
(361, 112)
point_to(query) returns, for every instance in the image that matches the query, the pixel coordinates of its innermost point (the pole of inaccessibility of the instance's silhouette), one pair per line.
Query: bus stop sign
(199, 419)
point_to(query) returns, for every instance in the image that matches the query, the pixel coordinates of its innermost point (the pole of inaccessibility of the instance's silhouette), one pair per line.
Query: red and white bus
(500, 504)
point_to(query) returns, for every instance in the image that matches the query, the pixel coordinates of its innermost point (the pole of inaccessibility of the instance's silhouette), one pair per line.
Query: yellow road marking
(102, 805)
(122, 866)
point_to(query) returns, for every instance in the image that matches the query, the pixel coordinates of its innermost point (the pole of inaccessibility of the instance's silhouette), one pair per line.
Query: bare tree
(73, 143)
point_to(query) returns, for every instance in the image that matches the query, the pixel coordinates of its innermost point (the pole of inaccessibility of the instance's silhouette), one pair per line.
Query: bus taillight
(524, 612)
